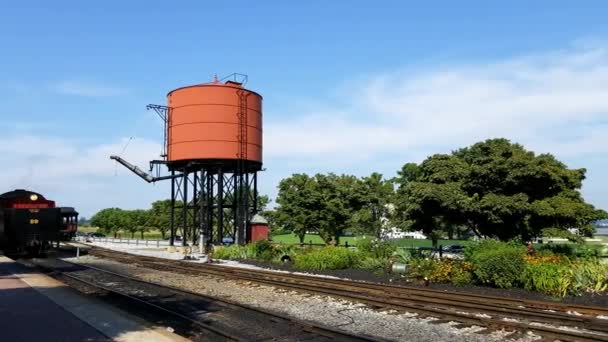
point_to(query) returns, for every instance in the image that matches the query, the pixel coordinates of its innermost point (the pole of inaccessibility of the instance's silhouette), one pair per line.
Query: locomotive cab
(29, 222)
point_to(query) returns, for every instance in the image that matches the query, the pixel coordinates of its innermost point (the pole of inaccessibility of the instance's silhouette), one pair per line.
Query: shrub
(582, 250)
(373, 264)
(283, 250)
(462, 273)
(497, 263)
(545, 258)
(402, 255)
(327, 258)
(588, 251)
(422, 268)
(562, 249)
(442, 271)
(550, 278)
(235, 252)
(222, 253)
(559, 277)
(264, 250)
(589, 276)
(262, 246)
(376, 248)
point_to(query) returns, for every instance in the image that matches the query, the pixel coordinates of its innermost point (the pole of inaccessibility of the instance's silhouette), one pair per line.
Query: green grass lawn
(428, 243)
(87, 229)
(291, 239)
(352, 241)
(603, 238)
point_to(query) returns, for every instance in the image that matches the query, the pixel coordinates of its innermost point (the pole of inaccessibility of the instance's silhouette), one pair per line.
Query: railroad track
(544, 318)
(214, 319)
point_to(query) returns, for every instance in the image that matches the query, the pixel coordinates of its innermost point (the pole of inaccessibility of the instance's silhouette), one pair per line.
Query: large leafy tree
(496, 189)
(337, 200)
(139, 221)
(109, 220)
(324, 203)
(373, 197)
(160, 216)
(296, 205)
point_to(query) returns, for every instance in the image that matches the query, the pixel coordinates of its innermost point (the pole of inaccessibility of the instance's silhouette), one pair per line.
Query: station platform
(35, 307)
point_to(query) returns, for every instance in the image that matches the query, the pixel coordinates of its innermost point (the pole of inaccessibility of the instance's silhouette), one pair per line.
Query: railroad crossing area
(36, 307)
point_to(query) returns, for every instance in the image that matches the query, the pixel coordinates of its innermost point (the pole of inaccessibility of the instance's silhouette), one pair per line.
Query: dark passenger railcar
(69, 223)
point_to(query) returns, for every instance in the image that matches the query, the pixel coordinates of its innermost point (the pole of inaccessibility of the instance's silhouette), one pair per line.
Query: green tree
(296, 206)
(138, 221)
(127, 222)
(374, 200)
(263, 202)
(496, 189)
(109, 220)
(323, 203)
(337, 200)
(160, 216)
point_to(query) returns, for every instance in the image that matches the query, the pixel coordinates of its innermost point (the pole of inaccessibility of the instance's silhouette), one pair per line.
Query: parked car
(176, 238)
(453, 249)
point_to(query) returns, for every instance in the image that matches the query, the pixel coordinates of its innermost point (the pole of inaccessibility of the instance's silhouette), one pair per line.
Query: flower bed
(557, 272)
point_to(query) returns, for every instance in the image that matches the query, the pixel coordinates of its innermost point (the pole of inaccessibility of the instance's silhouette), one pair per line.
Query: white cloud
(555, 102)
(535, 100)
(87, 89)
(77, 175)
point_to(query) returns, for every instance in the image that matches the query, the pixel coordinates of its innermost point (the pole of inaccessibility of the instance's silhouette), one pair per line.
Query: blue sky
(350, 87)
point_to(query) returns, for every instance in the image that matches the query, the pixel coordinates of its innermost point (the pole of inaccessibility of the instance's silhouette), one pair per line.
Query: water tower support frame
(213, 201)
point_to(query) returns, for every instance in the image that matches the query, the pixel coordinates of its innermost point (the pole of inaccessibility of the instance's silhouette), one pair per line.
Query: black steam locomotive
(29, 223)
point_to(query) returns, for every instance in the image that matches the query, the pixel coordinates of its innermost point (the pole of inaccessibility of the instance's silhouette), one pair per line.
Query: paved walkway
(35, 307)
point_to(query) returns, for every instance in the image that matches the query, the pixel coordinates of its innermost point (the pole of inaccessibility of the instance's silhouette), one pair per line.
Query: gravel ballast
(352, 317)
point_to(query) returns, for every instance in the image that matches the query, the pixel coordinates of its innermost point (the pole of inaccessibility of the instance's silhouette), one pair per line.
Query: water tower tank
(214, 123)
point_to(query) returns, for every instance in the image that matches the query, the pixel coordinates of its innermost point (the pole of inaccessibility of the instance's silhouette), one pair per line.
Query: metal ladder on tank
(242, 190)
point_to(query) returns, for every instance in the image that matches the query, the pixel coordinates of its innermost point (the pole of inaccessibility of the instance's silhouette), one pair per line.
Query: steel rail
(325, 331)
(378, 295)
(149, 304)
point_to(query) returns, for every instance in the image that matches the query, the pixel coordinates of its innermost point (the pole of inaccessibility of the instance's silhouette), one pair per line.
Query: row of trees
(493, 189)
(157, 218)
(331, 204)
(113, 220)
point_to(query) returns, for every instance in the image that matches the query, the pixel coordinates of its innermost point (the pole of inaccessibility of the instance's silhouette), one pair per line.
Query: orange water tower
(215, 122)
(213, 150)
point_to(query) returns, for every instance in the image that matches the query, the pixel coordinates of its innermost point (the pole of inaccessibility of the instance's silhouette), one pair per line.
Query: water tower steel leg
(220, 205)
(235, 206)
(194, 208)
(172, 214)
(246, 206)
(210, 205)
(206, 205)
(202, 219)
(242, 192)
(255, 192)
(185, 208)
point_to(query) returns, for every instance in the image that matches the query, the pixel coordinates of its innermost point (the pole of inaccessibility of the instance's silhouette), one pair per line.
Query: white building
(396, 233)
